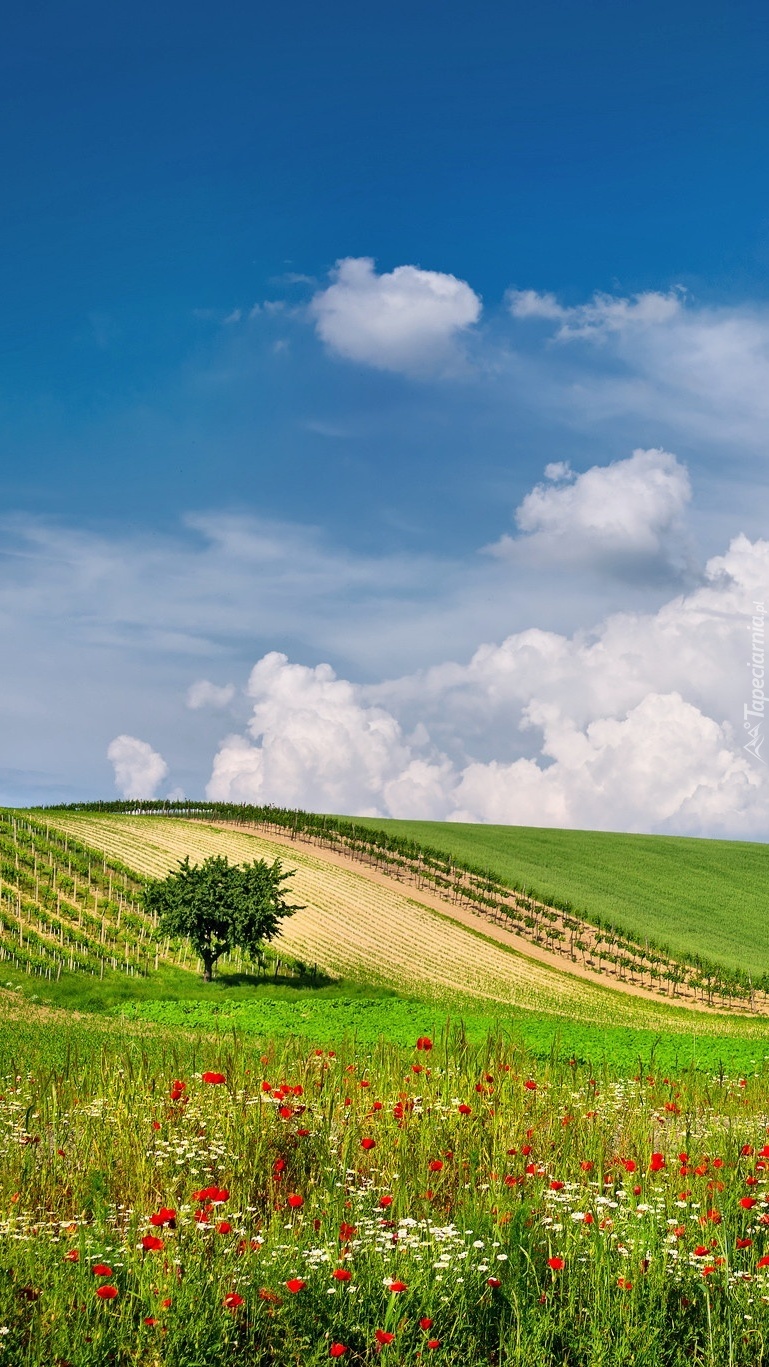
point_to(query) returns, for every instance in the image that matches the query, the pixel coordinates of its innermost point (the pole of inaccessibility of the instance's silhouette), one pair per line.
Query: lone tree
(220, 906)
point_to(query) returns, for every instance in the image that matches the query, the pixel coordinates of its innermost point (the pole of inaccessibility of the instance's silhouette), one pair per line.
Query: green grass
(704, 897)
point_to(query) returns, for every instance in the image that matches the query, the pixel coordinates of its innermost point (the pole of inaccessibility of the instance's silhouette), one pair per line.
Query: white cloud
(605, 313)
(203, 693)
(636, 725)
(626, 517)
(139, 770)
(316, 742)
(406, 320)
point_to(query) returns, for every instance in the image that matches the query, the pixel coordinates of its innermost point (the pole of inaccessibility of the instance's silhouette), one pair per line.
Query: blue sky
(219, 444)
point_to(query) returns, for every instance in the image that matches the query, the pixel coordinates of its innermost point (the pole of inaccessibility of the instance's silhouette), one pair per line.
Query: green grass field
(266, 1171)
(698, 896)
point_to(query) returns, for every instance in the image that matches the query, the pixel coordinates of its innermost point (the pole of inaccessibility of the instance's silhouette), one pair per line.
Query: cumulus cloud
(636, 725)
(317, 743)
(203, 693)
(626, 517)
(405, 320)
(139, 770)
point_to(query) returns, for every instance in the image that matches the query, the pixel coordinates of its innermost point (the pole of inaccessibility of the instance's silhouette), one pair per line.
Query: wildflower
(150, 1319)
(347, 1231)
(763, 1262)
(164, 1216)
(530, 1085)
(433, 1343)
(656, 1163)
(295, 1201)
(435, 1165)
(624, 1284)
(424, 1042)
(101, 1270)
(397, 1286)
(232, 1300)
(216, 1195)
(556, 1264)
(342, 1274)
(177, 1090)
(214, 1078)
(748, 1202)
(385, 1201)
(337, 1350)
(295, 1284)
(224, 1227)
(744, 1243)
(368, 1143)
(426, 1323)
(106, 1293)
(72, 1256)
(493, 1281)
(464, 1109)
(152, 1243)
(382, 1336)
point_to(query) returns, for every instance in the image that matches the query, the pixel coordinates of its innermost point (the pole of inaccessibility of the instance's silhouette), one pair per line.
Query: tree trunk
(208, 969)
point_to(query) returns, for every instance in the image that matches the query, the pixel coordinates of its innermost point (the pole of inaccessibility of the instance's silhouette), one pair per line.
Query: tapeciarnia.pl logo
(753, 712)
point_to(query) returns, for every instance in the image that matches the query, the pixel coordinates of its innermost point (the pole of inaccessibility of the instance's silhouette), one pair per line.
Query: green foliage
(219, 906)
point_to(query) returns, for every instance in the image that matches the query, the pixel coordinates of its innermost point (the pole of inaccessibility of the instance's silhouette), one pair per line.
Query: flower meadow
(442, 1203)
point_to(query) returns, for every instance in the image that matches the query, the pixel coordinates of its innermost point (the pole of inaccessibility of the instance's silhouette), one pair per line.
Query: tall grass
(534, 1215)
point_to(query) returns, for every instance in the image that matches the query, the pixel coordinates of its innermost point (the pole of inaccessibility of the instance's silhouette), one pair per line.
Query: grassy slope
(427, 956)
(697, 896)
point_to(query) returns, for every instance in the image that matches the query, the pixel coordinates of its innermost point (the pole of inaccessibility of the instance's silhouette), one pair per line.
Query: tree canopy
(220, 906)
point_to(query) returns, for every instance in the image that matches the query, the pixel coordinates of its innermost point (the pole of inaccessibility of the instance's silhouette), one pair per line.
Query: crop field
(697, 896)
(356, 928)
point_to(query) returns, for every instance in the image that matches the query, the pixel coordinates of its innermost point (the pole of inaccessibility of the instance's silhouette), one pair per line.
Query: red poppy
(657, 1162)
(72, 1257)
(493, 1281)
(295, 1200)
(763, 1262)
(285, 1112)
(744, 1243)
(382, 1336)
(433, 1343)
(464, 1109)
(214, 1078)
(164, 1216)
(368, 1143)
(426, 1323)
(165, 1303)
(232, 1300)
(106, 1293)
(152, 1243)
(342, 1274)
(530, 1085)
(347, 1231)
(295, 1284)
(177, 1090)
(557, 1264)
(224, 1227)
(385, 1201)
(748, 1202)
(435, 1165)
(424, 1042)
(337, 1350)
(624, 1284)
(216, 1195)
(150, 1319)
(397, 1286)
(101, 1270)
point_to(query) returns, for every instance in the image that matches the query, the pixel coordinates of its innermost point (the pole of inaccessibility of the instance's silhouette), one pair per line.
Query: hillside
(696, 896)
(355, 928)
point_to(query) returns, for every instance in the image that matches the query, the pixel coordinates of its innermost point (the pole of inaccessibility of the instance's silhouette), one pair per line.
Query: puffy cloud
(203, 693)
(317, 743)
(139, 770)
(405, 320)
(626, 516)
(636, 725)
